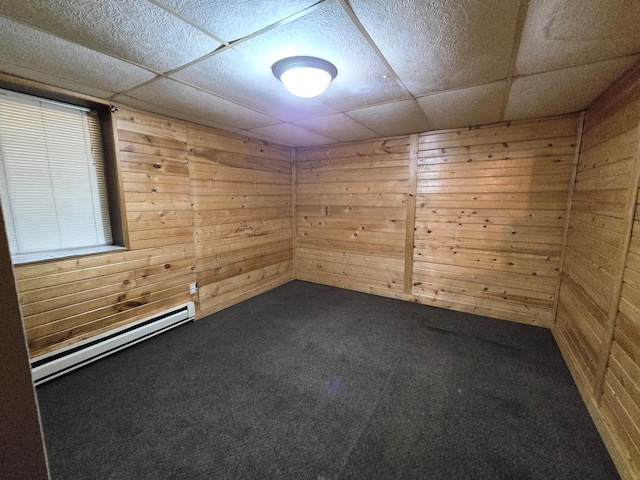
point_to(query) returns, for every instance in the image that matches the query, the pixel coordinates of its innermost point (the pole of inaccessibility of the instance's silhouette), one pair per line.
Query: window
(53, 188)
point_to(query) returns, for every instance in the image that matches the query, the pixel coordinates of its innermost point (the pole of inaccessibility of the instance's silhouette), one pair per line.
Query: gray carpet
(314, 382)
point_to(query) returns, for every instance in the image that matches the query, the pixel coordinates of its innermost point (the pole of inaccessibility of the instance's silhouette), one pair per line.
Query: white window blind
(52, 183)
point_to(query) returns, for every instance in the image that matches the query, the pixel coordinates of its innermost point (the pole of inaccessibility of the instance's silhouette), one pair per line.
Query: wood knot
(133, 304)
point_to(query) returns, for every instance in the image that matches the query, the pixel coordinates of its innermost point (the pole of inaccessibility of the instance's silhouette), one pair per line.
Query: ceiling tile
(186, 99)
(50, 79)
(466, 107)
(396, 118)
(453, 56)
(221, 17)
(559, 34)
(338, 127)
(435, 45)
(244, 80)
(563, 91)
(133, 30)
(328, 33)
(30, 53)
(169, 112)
(292, 135)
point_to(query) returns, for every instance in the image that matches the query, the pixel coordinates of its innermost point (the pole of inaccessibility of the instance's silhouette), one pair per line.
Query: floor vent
(51, 365)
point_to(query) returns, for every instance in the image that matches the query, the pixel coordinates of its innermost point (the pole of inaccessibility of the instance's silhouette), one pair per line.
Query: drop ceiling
(403, 66)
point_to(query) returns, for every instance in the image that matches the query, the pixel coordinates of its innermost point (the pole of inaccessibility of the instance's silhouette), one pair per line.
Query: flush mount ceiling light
(304, 76)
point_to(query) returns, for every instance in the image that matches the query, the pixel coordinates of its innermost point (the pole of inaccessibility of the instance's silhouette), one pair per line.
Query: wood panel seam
(412, 188)
(563, 249)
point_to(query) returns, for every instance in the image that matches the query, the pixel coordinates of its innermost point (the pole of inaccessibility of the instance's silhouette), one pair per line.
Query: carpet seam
(381, 393)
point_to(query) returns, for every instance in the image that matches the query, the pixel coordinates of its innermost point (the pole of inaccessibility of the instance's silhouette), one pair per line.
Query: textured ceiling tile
(55, 81)
(222, 17)
(338, 126)
(465, 108)
(397, 118)
(437, 45)
(328, 33)
(292, 135)
(186, 99)
(453, 53)
(169, 112)
(559, 34)
(39, 56)
(563, 91)
(244, 80)
(133, 30)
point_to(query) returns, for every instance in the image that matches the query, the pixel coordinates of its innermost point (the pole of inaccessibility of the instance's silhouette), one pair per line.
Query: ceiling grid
(404, 66)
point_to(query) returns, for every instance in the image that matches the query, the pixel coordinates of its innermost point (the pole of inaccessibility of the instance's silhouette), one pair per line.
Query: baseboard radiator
(53, 364)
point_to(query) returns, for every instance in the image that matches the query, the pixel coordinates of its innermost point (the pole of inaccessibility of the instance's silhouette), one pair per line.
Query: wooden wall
(242, 216)
(598, 320)
(490, 217)
(620, 402)
(468, 219)
(351, 208)
(226, 242)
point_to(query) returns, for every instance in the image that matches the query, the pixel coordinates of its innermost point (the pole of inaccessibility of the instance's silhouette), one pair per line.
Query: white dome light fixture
(305, 77)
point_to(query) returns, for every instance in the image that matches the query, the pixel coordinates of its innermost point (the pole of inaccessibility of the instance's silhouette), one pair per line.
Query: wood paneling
(241, 192)
(490, 217)
(596, 242)
(475, 223)
(598, 320)
(216, 211)
(67, 300)
(621, 383)
(351, 213)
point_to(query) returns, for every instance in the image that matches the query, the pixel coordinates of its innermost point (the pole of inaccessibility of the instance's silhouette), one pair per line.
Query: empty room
(325, 240)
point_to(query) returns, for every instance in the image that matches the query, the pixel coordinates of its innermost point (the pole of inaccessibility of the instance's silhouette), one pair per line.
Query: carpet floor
(314, 382)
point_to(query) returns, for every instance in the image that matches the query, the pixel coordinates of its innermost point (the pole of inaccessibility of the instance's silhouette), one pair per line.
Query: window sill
(59, 254)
